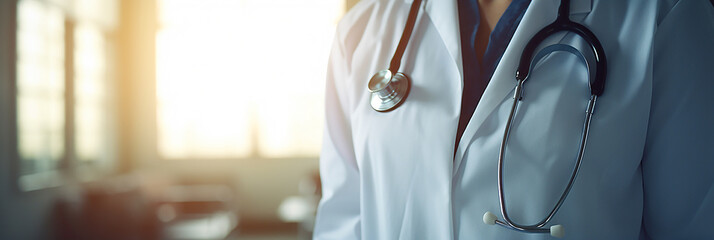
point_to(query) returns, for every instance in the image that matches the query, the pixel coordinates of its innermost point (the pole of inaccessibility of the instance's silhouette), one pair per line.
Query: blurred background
(162, 119)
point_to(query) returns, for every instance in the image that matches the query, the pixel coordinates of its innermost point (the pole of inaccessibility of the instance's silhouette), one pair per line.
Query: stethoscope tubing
(596, 85)
(396, 61)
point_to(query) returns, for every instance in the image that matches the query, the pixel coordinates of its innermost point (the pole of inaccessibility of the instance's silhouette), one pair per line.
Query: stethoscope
(389, 88)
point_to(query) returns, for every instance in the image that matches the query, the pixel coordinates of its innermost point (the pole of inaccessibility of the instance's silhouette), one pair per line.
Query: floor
(269, 232)
(266, 236)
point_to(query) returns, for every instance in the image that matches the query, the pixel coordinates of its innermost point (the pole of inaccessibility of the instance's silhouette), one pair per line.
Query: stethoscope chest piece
(388, 90)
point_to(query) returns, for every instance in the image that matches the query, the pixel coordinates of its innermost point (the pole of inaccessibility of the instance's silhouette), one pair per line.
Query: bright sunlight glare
(242, 78)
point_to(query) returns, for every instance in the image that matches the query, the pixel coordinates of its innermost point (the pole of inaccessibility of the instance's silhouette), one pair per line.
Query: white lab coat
(648, 170)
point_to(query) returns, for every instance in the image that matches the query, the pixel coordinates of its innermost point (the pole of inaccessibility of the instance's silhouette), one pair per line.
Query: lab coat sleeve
(338, 215)
(678, 162)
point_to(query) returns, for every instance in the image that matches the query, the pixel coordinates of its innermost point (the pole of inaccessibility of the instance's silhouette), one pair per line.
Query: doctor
(429, 167)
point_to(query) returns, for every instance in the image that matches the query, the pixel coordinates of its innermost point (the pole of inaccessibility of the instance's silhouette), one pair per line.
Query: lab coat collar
(538, 15)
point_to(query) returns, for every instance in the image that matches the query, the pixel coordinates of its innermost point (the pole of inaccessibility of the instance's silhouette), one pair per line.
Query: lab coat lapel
(445, 16)
(538, 15)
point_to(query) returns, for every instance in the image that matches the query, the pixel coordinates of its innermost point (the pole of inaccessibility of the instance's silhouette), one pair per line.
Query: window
(63, 104)
(40, 87)
(91, 95)
(94, 21)
(242, 78)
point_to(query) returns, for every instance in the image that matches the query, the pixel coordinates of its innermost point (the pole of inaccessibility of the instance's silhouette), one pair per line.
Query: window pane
(90, 93)
(40, 86)
(242, 78)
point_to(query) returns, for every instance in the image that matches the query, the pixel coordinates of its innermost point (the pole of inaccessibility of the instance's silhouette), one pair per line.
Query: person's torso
(412, 184)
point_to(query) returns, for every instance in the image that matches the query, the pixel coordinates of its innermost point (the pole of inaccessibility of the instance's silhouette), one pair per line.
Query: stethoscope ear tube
(555, 230)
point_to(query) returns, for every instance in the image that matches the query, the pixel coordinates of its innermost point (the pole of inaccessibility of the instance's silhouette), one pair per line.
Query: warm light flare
(242, 78)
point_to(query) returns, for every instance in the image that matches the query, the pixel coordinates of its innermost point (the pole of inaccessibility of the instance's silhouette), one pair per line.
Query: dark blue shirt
(478, 73)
